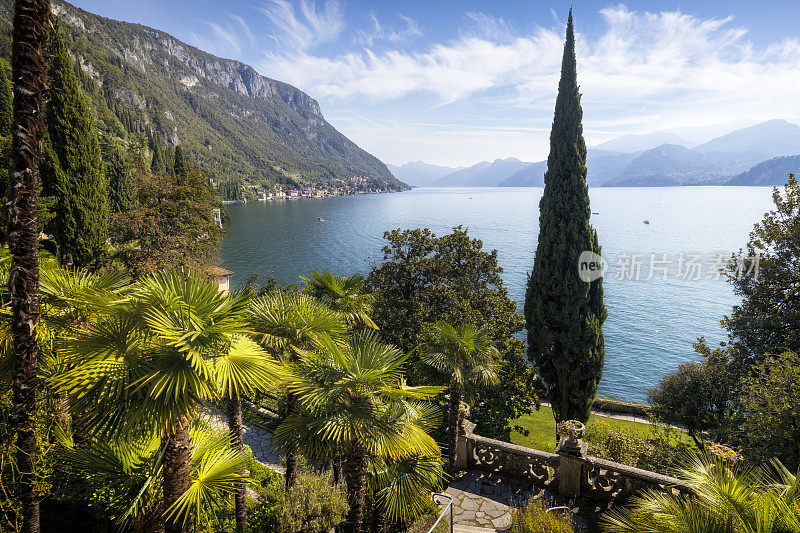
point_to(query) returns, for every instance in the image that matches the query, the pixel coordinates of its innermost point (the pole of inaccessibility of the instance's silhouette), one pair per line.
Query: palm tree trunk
(176, 474)
(292, 457)
(29, 64)
(151, 520)
(356, 471)
(235, 425)
(454, 425)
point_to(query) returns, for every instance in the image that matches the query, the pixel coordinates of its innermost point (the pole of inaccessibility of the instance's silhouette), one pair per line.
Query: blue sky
(457, 82)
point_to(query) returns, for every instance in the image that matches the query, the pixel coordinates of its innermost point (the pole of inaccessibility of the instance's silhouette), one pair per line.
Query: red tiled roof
(217, 271)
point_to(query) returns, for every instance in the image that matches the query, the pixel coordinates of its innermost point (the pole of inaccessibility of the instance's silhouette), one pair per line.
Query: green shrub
(314, 505)
(652, 452)
(534, 518)
(424, 523)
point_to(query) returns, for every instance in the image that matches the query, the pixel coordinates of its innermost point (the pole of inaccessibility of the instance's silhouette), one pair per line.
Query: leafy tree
(771, 410)
(119, 176)
(467, 359)
(75, 168)
(424, 279)
(180, 167)
(354, 400)
(171, 224)
(344, 294)
(564, 314)
(765, 275)
(30, 35)
(6, 103)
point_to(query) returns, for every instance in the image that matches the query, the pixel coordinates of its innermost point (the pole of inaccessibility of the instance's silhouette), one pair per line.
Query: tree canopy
(425, 278)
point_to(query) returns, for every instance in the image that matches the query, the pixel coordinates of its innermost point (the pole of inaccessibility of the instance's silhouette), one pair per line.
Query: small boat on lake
(320, 219)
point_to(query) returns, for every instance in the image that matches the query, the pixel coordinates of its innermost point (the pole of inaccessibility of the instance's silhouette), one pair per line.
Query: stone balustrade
(575, 475)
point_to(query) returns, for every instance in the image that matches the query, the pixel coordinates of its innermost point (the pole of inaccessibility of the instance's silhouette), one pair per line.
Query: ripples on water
(651, 323)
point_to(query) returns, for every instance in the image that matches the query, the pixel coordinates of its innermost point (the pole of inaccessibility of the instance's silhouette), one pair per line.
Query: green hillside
(232, 122)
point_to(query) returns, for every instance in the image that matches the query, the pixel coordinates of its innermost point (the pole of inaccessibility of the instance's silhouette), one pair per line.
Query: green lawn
(541, 426)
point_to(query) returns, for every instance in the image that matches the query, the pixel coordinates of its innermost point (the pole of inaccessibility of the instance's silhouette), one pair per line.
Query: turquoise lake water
(656, 305)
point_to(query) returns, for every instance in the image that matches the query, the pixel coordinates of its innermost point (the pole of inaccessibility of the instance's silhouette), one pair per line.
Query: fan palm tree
(355, 401)
(174, 343)
(467, 357)
(29, 65)
(288, 322)
(344, 294)
(403, 487)
(122, 477)
(726, 499)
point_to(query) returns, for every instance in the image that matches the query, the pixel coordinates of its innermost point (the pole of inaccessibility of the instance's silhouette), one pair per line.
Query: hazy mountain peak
(767, 139)
(636, 142)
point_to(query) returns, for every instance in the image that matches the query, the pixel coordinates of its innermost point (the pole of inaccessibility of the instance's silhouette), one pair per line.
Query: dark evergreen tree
(169, 159)
(5, 103)
(157, 166)
(119, 176)
(179, 168)
(73, 170)
(564, 314)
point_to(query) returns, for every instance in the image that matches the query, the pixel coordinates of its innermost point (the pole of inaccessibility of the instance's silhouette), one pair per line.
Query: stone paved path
(256, 436)
(486, 499)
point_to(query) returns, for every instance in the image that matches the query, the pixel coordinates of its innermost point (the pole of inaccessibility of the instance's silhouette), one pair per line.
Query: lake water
(652, 321)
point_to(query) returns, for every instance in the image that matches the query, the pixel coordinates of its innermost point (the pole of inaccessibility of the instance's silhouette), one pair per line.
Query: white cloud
(225, 38)
(381, 32)
(652, 58)
(638, 72)
(302, 25)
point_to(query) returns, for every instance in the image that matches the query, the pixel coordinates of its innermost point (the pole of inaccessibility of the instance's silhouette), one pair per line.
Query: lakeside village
(338, 187)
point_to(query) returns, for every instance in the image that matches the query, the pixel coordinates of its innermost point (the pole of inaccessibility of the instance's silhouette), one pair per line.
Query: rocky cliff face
(233, 121)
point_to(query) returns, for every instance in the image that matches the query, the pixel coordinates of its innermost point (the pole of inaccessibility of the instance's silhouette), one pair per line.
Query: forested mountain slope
(233, 122)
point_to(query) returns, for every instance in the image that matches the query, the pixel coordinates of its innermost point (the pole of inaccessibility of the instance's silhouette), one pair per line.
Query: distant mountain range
(748, 156)
(419, 174)
(773, 171)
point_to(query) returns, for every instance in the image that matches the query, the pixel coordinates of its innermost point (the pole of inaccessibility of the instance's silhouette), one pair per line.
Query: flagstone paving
(486, 499)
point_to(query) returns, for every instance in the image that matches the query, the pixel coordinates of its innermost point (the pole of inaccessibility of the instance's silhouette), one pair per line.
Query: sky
(458, 82)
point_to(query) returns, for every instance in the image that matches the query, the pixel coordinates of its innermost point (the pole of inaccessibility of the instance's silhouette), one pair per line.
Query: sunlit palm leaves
(403, 487)
(463, 354)
(726, 499)
(356, 391)
(283, 321)
(344, 294)
(173, 342)
(354, 401)
(123, 476)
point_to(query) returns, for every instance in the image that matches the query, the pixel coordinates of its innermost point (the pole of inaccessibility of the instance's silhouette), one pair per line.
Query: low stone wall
(572, 475)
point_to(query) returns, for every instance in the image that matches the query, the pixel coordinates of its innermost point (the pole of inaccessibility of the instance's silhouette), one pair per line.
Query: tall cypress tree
(157, 166)
(179, 168)
(5, 104)
(564, 314)
(75, 173)
(119, 176)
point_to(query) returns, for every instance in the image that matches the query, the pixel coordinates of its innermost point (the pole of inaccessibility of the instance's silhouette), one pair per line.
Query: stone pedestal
(570, 466)
(464, 432)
